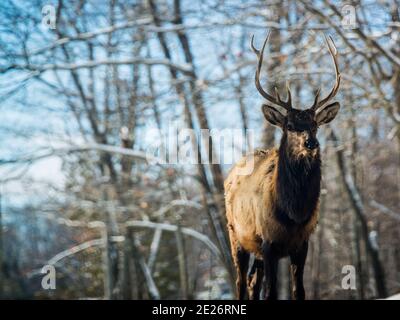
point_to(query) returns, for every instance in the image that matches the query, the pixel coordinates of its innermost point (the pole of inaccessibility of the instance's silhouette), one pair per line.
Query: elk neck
(297, 187)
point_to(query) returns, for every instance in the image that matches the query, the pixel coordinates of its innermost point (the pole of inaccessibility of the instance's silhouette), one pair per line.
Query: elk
(272, 211)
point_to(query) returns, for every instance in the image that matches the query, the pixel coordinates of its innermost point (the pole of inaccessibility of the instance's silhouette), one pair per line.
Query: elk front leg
(270, 269)
(241, 259)
(254, 279)
(297, 262)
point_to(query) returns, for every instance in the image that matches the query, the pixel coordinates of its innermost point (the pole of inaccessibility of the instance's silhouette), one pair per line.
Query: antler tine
(315, 104)
(260, 56)
(334, 54)
(289, 95)
(257, 52)
(288, 102)
(278, 97)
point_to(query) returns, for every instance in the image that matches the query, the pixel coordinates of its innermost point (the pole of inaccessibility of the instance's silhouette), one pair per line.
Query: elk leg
(254, 279)
(297, 261)
(242, 263)
(270, 269)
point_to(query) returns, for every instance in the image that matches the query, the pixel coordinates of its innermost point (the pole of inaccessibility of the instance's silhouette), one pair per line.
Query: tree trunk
(216, 217)
(356, 227)
(358, 208)
(183, 275)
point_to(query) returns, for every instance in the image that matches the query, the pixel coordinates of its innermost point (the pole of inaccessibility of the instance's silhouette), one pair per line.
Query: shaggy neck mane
(298, 186)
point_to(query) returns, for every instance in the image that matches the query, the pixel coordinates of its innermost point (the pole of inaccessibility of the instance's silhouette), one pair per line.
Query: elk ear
(273, 116)
(328, 113)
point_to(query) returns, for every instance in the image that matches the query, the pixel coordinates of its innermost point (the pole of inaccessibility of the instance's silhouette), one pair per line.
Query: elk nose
(311, 144)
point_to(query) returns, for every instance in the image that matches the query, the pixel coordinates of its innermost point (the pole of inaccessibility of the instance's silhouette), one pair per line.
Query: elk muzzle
(311, 144)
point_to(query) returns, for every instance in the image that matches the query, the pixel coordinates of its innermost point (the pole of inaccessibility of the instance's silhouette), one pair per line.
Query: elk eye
(290, 127)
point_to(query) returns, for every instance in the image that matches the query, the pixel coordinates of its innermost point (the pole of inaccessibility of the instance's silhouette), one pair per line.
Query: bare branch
(169, 227)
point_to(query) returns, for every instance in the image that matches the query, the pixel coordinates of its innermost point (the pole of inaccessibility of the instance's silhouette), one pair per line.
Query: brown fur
(250, 207)
(297, 144)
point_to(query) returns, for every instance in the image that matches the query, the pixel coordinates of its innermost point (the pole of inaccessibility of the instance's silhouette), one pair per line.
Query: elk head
(299, 126)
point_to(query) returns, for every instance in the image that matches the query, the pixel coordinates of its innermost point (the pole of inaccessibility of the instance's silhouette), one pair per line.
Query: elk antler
(277, 99)
(334, 54)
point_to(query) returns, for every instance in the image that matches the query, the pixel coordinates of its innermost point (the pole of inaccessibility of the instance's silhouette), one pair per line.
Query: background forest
(87, 86)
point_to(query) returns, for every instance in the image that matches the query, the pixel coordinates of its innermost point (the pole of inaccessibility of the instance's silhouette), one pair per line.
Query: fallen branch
(177, 203)
(385, 210)
(69, 252)
(172, 228)
(155, 244)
